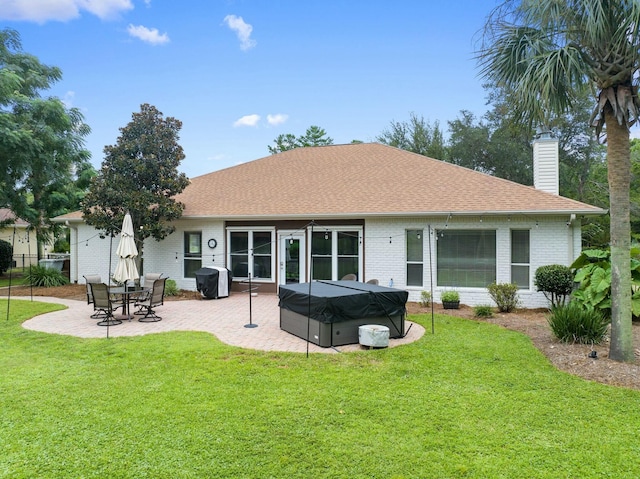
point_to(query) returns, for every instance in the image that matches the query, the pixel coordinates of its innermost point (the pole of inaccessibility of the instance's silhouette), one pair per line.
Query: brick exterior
(552, 240)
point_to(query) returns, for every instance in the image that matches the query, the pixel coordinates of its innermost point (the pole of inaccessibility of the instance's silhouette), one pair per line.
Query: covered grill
(213, 282)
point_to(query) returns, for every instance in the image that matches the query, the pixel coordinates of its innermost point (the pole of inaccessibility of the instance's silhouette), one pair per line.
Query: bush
(573, 324)
(171, 288)
(555, 281)
(450, 296)
(505, 295)
(6, 256)
(425, 299)
(43, 276)
(483, 311)
(593, 272)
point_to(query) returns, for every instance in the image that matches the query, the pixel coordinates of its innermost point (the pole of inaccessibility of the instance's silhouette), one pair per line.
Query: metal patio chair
(155, 299)
(104, 305)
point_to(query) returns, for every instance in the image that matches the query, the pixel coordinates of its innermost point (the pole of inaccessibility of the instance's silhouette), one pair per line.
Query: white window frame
(250, 230)
(512, 263)
(420, 232)
(333, 231)
(190, 257)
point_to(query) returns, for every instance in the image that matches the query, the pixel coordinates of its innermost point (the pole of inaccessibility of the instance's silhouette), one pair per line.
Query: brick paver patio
(225, 318)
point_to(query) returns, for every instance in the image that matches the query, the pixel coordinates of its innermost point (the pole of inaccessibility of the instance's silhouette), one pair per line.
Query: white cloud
(41, 11)
(243, 31)
(247, 120)
(148, 35)
(68, 98)
(277, 119)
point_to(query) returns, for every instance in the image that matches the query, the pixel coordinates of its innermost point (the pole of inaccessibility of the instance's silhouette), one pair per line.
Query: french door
(291, 257)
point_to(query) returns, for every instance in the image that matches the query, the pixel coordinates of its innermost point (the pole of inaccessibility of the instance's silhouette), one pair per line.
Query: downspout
(571, 256)
(73, 246)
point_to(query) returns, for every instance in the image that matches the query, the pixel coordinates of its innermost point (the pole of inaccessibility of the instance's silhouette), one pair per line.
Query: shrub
(43, 276)
(425, 299)
(6, 256)
(594, 275)
(450, 296)
(483, 311)
(571, 323)
(505, 295)
(555, 281)
(171, 288)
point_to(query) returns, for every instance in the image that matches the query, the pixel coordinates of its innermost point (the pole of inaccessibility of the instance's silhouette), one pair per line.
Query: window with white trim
(520, 258)
(415, 264)
(251, 252)
(336, 252)
(466, 258)
(192, 253)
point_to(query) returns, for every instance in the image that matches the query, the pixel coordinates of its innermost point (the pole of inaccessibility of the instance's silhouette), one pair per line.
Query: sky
(238, 73)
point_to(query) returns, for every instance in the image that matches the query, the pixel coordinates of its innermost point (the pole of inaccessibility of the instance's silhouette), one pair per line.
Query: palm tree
(545, 51)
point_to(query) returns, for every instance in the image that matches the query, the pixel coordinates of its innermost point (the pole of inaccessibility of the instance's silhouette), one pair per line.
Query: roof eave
(397, 214)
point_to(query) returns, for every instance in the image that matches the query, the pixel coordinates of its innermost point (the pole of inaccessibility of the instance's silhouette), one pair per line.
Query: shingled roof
(360, 180)
(7, 215)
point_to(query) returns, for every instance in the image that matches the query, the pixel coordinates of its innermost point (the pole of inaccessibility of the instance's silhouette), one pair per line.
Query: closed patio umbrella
(126, 269)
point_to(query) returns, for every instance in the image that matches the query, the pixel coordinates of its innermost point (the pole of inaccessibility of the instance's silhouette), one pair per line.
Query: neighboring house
(369, 209)
(23, 240)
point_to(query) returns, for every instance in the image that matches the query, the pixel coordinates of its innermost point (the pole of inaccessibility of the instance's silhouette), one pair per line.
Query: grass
(17, 278)
(471, 401)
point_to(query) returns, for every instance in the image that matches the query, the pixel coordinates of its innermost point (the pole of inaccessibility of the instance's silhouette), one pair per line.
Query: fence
(23, 261)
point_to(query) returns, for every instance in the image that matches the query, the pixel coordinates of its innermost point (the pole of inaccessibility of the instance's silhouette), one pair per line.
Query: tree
(6, 256)
(139, 175)
(41, 142)
(314, 136)
(415, 135)
(546, 51)
(491, 145)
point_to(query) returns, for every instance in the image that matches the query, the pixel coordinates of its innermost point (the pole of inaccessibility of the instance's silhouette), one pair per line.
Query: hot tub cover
(336, 301)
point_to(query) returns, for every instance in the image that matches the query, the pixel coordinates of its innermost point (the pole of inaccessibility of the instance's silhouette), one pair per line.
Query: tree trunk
(619, 171)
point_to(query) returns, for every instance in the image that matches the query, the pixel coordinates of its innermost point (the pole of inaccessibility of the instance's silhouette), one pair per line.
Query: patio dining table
(127, 294)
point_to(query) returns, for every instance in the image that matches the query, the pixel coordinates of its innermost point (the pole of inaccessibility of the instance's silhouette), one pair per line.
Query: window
(414, 257)
(251, 252)
(466, 258)
(335, 253)
(520, 258)
(321, 259)
(192, 253)
(348, 257)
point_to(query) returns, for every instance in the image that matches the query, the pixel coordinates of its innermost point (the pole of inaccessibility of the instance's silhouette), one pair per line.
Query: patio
(224, 318)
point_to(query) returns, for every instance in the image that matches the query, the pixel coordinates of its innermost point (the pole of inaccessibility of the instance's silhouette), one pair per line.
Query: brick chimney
(546, 173)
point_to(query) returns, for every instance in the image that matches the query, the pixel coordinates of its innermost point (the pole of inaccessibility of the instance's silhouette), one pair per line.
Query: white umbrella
(126, 269)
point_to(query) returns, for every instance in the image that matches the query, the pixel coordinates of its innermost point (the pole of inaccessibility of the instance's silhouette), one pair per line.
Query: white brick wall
(552, 240)
(161, 256)
(91, 253)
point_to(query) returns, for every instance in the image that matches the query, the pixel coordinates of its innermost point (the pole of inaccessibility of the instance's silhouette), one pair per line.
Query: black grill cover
(207, 282)
(335, 301)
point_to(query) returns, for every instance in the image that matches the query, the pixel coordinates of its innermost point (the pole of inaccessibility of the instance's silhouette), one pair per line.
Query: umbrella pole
(109, 276)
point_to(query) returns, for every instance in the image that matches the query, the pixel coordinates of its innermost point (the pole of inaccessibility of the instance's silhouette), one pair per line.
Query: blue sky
(238, 73)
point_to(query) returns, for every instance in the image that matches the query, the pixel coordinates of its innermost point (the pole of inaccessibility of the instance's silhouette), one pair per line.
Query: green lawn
(471, 401)
(17, 278)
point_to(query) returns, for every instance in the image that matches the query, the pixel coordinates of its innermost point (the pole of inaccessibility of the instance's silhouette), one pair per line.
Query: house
(23, 240)
(366, 209)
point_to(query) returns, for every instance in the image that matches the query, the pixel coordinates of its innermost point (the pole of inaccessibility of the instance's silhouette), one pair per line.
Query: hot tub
(329, 313)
